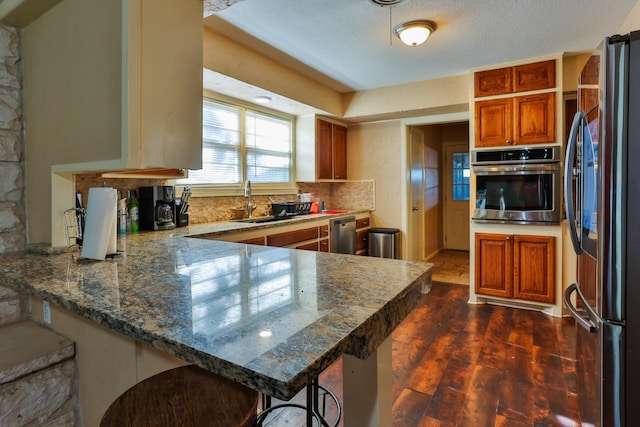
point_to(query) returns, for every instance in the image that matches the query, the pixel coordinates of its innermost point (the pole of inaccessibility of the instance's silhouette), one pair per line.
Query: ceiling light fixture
(262, 99)
(414, 33)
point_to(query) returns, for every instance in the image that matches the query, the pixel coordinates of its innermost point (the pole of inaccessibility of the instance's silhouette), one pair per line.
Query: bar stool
(184, 396)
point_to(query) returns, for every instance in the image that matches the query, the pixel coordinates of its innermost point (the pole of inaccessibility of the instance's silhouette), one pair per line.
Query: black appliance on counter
(603, 165)
(157, 207)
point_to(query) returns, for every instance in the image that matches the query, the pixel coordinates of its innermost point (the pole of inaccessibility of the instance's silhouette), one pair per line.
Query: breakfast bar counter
(269, 318)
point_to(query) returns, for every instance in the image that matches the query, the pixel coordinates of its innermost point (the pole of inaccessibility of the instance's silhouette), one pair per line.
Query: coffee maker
(157, 206)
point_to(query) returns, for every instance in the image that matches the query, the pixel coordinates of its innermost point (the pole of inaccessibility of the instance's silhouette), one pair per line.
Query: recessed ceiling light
(262, 99)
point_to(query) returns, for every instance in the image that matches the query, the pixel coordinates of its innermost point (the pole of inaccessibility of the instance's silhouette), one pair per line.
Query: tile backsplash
(343, 195)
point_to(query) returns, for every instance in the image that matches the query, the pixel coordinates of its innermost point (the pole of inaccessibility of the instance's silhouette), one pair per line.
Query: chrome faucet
(251, 204)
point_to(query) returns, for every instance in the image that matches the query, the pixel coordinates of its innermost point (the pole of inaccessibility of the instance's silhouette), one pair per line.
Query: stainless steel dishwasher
(342, 236)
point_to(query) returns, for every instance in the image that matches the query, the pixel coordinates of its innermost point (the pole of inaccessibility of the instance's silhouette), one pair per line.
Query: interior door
(456, 206)
(416, 235)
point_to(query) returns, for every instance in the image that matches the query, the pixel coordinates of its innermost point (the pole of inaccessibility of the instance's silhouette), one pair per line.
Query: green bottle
(133, 211)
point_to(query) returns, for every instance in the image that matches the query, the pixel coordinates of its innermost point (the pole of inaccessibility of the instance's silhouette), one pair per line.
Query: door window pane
(461, 176)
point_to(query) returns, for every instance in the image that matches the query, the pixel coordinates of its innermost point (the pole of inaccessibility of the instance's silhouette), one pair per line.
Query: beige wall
(86, 60)
(632, 23)
(375, 151)
(445, 95)
(227, 57)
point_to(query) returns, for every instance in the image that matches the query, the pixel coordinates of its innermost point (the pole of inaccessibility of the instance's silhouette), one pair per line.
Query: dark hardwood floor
(456, 364)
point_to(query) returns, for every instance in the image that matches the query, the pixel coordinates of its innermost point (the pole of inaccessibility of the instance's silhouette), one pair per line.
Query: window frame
(213, 189)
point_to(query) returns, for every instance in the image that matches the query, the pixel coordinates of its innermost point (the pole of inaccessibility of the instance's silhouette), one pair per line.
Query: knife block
(181, 219)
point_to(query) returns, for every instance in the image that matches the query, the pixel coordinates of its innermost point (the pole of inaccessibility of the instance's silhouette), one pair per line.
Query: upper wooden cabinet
(515, 266)
(536, 76)
(521, 78)
(534, 118)
(494, 122)
(528, 119)
(515, 120)
(493, 82)
(331, 149)
(135, 98)
(321, 150)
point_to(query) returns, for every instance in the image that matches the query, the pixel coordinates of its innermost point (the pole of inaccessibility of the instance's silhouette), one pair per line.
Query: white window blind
(268, 148)
(239, 144)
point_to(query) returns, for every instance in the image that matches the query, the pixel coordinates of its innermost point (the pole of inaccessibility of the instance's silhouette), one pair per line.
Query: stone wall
(12, 215)
(213, 6)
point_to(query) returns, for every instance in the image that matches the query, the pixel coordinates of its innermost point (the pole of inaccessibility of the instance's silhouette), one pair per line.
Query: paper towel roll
(100, 225)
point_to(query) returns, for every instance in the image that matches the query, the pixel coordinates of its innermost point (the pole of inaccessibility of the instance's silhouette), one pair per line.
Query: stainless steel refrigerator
(602, 200)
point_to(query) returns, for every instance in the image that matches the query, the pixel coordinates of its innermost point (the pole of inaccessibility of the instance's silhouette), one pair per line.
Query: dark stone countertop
(270, 318)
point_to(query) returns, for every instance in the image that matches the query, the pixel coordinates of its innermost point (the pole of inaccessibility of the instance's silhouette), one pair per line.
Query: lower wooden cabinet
(362, 236)
(290, 237)
(515, 266)
(253, 241)
(303, 236)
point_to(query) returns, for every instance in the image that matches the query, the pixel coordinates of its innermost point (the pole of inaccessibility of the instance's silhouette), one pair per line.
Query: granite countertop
(270, 318)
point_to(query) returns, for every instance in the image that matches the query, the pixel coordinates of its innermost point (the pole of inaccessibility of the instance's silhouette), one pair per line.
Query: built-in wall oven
(518, 185)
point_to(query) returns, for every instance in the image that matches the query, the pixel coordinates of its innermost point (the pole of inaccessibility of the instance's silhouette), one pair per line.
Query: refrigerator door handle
(568, 187)
(590, 323)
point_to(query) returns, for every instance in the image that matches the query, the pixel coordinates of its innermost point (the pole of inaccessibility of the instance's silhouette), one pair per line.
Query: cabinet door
(494, 264)
(536, 76)
(291, 237)
(253, 241)
(339, 152)
(313, 246)
(362, 223)
(324, 149)
(534, 268)
(494, 122)
(493, 82)
(535, 118)
(362, 241)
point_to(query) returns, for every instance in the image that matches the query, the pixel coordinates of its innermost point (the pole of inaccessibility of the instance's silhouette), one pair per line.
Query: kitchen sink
(262, 219)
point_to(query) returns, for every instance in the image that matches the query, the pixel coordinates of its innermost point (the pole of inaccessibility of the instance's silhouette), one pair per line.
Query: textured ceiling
(346, 44)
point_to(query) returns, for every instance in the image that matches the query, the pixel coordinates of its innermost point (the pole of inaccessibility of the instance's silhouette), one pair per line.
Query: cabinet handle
(510, 142)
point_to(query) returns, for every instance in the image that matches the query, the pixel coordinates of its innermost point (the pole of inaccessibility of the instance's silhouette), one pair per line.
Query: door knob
(415, 208)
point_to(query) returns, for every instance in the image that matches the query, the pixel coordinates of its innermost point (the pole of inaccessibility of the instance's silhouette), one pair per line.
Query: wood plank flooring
(456, 364)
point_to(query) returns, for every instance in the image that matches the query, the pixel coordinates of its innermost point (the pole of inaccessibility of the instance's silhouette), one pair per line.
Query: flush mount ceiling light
(414, 33)
(387, 2)
(262, 99)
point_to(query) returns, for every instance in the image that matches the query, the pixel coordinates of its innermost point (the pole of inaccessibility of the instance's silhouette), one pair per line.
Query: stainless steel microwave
(518, 185)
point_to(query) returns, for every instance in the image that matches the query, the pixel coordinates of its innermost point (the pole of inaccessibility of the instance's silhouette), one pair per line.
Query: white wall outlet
(46, 312)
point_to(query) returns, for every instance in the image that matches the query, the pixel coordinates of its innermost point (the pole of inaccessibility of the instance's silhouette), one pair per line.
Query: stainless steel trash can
(384, 242)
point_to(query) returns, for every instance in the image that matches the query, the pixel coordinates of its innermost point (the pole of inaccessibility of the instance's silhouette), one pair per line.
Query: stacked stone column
(12, 215)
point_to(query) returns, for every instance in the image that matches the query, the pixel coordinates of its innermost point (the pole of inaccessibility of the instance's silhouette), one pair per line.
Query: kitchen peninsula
(270, 318)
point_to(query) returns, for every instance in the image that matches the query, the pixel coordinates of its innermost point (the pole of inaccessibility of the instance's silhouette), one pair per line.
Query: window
(239, 143)
(461, 174)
